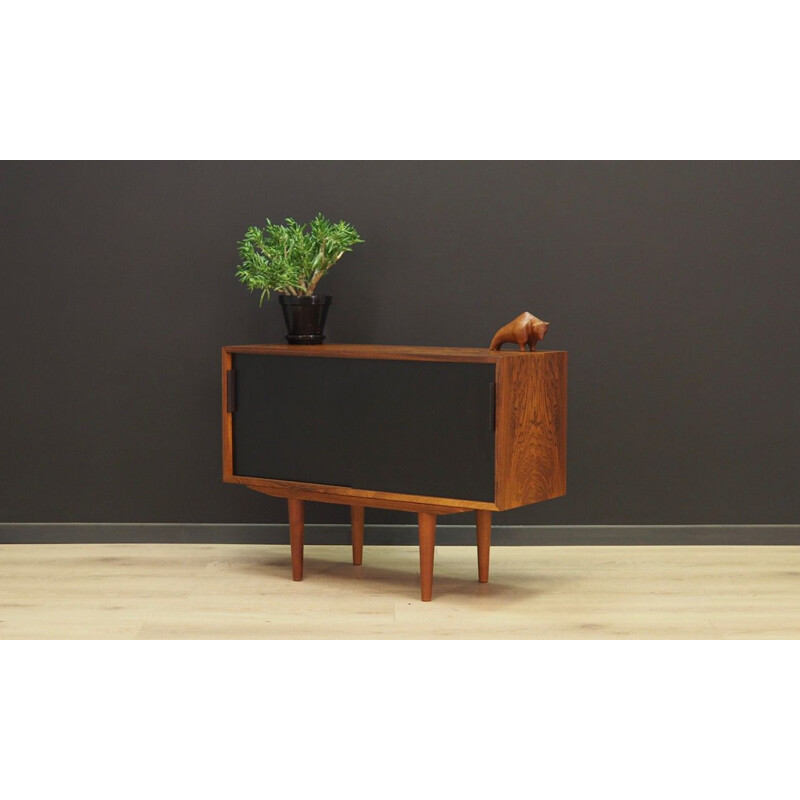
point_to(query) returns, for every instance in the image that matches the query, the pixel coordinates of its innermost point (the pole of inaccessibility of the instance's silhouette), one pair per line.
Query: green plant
(290, 259)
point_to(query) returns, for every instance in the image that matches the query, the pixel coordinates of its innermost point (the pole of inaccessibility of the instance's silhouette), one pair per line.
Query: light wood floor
(152, 591)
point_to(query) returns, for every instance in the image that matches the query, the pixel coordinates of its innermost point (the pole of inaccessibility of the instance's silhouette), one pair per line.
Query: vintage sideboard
(432, 430)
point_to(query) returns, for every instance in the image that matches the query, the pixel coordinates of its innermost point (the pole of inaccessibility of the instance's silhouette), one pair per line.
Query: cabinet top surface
(398, 352)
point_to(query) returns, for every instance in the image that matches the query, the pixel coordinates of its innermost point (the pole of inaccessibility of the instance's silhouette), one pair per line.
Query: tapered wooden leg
(427, 540)
(357, 532)
(483, 521)
(296, 520)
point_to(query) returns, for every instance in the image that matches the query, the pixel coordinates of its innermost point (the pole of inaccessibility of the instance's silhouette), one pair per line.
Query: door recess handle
(231, 376)
(492, 403)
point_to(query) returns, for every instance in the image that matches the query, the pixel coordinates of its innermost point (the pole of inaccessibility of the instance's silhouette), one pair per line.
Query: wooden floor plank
(209, 591)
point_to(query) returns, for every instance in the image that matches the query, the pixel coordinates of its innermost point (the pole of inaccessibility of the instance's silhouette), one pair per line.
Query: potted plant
(291, 259)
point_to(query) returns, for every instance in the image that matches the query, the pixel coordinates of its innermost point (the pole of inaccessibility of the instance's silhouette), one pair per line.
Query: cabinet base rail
(427, 542)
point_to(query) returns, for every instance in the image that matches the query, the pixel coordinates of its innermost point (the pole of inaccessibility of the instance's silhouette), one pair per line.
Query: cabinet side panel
(531, 435)
(227, 417)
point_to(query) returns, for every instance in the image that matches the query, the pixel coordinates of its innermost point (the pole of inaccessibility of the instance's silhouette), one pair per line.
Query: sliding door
(411, 427)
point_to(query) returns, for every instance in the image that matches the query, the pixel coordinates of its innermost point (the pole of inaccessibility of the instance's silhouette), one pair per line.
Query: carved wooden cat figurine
(525, 329)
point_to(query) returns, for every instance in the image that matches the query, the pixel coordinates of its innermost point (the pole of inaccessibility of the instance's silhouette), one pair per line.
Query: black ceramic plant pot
(305, 317)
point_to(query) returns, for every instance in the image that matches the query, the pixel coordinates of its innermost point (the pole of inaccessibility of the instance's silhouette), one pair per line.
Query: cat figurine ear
(524, 330)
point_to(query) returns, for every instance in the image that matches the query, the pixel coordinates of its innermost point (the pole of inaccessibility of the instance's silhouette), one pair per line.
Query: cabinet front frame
(517, 443)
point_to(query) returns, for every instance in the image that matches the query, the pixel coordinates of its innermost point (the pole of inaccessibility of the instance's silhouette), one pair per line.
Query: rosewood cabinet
(425, 429)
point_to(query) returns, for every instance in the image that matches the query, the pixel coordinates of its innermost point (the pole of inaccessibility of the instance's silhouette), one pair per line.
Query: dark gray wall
(674, 287)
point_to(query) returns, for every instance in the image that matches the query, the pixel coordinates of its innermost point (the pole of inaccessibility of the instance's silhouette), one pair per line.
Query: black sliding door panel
(292, 419)
(423, 428)
(411, 427)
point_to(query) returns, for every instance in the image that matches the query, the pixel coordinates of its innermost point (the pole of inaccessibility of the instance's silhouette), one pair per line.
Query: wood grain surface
(213, 591)
(296, 536)
(531, 429)
(483, 527)
(227, 421)
(357, 533)
(343, 495)
(473, 355)
(427, 542)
